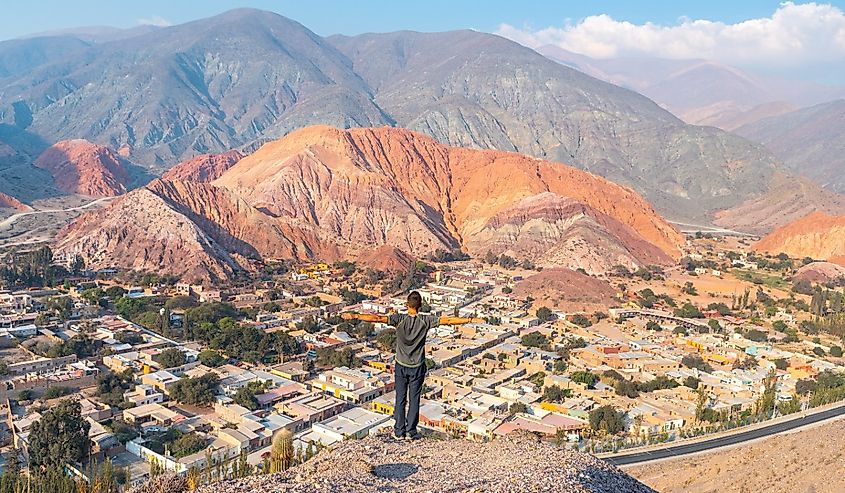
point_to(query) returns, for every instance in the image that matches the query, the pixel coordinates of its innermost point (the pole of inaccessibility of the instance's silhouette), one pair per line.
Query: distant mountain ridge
(701, 92)
(245, 77)
(323, 193)
(810, 141)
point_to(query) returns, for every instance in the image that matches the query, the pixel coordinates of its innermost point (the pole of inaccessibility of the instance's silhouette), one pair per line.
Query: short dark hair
(414, 300)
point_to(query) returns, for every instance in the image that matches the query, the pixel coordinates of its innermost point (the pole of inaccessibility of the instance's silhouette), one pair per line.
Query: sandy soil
(807, 461)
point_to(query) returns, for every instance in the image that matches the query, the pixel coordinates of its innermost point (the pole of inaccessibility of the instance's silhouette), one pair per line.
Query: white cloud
(795, 34)
(155, 20)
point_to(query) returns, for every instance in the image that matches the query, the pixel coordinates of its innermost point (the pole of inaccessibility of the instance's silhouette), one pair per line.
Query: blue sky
(791, 39)
(353, 17)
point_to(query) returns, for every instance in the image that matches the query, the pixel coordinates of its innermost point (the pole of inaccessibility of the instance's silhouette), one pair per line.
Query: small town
(163, 376)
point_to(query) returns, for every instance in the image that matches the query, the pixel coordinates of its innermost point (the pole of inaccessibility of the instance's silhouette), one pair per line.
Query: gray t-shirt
(410, 337)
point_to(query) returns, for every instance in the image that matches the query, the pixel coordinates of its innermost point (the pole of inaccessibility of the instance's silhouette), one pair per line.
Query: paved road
(14, 217)
(692, 228)
(677, 450)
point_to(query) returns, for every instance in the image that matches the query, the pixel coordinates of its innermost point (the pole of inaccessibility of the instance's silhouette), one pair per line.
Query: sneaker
(414, 436)
(397, 436)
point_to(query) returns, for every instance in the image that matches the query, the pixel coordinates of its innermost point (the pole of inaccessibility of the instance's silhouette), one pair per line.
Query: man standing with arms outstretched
(410, 370)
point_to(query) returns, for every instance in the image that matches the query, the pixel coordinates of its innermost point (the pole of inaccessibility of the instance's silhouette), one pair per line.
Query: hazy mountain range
(810, 141)
(244, 77)
(701, 92)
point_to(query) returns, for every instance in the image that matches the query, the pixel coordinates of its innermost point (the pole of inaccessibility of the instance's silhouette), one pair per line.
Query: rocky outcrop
(191, 230)
(396, 187)
(517, 464)
(9, 202)
(203, 168)
(817, 235)
(324, 193)
(554, 230)
(79, 166)
(821, 272)
(567, 290)
(787, 199)
(386, 259)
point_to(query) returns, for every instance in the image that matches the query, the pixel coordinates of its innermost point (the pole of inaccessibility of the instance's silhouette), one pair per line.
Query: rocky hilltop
(203, 168)
(324, 193)
(817, 235)
(518, 464)
(79, 166)
(9, 202)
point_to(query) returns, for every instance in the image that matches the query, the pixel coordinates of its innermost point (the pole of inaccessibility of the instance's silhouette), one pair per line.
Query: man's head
(414, 301)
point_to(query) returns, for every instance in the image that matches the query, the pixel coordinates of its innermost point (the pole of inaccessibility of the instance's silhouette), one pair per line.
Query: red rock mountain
(79, 166)
(817, 235)
(9, 202)
(203, 168)
(324, 193)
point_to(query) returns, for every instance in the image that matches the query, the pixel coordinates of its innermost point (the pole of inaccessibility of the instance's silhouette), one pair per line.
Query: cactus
(282, 455)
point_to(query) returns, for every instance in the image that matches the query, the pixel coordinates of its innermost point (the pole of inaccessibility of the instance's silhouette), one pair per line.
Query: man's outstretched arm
(460, 320)
(364, 317)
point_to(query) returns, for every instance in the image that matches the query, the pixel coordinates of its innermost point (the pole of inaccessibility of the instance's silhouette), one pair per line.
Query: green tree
(692, 382)
(545, 314)
(170, 358)
(766, 403)
(59, 437)
(198, 391)
(56, 392)
(180, 303)
(585, 377)
(697, 362)
(517, 407)
(115, 292)
(688, 310)
(608, 419)
(560, 366)
(386, 339)
(212, 358)
(714, 325)
(554, 393)
(187, 444)
(535, 339)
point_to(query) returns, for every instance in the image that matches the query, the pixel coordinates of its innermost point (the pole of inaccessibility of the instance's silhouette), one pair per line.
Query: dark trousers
(409, 385)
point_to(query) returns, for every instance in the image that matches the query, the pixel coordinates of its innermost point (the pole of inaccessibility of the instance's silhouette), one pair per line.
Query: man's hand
(460, 320)
(364, 317)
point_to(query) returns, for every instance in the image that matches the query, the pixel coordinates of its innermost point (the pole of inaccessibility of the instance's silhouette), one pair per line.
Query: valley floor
(807, 461)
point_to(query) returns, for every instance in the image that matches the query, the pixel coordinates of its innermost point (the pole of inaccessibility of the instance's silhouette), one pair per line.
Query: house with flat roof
(355, 385)
(143, 394)
(313, 407)
(163, 380)
(354, 423)
(153, 414)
